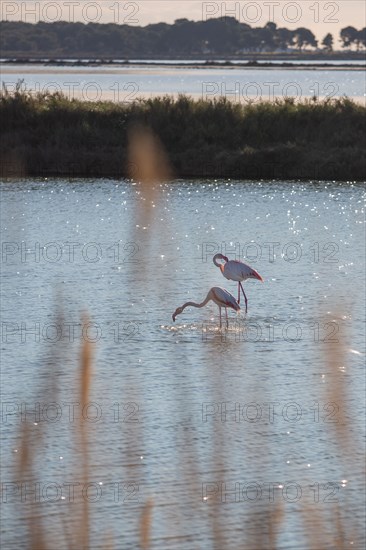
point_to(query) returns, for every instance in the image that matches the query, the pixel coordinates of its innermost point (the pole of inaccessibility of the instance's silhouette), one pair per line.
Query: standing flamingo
(220, 296)
(236, 271)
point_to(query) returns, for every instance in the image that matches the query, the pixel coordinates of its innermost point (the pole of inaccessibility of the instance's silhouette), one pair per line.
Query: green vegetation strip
(48, 134)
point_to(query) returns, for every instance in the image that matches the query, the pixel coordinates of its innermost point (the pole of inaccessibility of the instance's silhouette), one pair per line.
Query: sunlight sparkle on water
(290, 371)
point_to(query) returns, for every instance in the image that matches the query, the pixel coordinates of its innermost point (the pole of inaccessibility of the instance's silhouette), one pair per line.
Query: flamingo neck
(219, 257)
(193, 304)
(188, 304)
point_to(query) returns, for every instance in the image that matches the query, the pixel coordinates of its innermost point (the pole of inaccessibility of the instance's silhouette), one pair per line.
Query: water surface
(210, 426)
(127, 83)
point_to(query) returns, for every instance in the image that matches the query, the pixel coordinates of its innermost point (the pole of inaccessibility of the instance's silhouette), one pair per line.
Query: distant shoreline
(186, 65)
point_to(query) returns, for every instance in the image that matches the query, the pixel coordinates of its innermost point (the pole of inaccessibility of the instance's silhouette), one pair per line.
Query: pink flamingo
(236, 271)
(220, 296)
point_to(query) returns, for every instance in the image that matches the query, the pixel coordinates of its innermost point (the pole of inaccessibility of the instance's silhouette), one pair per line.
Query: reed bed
(48, 134)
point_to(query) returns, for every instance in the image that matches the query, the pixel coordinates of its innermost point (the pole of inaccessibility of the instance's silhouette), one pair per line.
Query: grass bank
(48, 134)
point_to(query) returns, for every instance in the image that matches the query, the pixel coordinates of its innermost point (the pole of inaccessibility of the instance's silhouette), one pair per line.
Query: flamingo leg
(220, 317)
(227, 320)
(239, 284)
(245, 297)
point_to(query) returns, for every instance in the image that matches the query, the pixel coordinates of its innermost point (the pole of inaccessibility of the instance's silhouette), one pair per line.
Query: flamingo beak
(225, 258)
(173, 317)
(257, 276)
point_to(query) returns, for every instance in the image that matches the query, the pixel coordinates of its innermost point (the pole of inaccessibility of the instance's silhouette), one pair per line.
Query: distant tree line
(183, 38)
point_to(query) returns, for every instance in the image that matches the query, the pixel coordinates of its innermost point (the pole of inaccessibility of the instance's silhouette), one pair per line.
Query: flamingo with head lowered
(220, 296)
(236, 271)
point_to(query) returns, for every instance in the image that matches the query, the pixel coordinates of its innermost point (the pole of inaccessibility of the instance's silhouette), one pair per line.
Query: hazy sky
(320, 16)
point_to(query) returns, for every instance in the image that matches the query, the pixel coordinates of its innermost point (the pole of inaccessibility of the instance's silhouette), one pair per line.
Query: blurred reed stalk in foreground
(148, 162)
(85, 383)
(149, 165)
(32, 439)
(145, 525)
(76, 533)
(334, 359)
(149, 168)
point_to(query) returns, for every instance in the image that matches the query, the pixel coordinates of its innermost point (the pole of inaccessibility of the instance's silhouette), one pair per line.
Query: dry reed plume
(148, 162)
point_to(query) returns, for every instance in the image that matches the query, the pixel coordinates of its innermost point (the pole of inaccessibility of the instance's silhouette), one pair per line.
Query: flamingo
(236, 271)
(220, 296)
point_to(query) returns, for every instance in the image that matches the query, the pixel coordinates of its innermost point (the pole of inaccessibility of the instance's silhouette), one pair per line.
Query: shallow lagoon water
(218, 429)
(127, 83)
